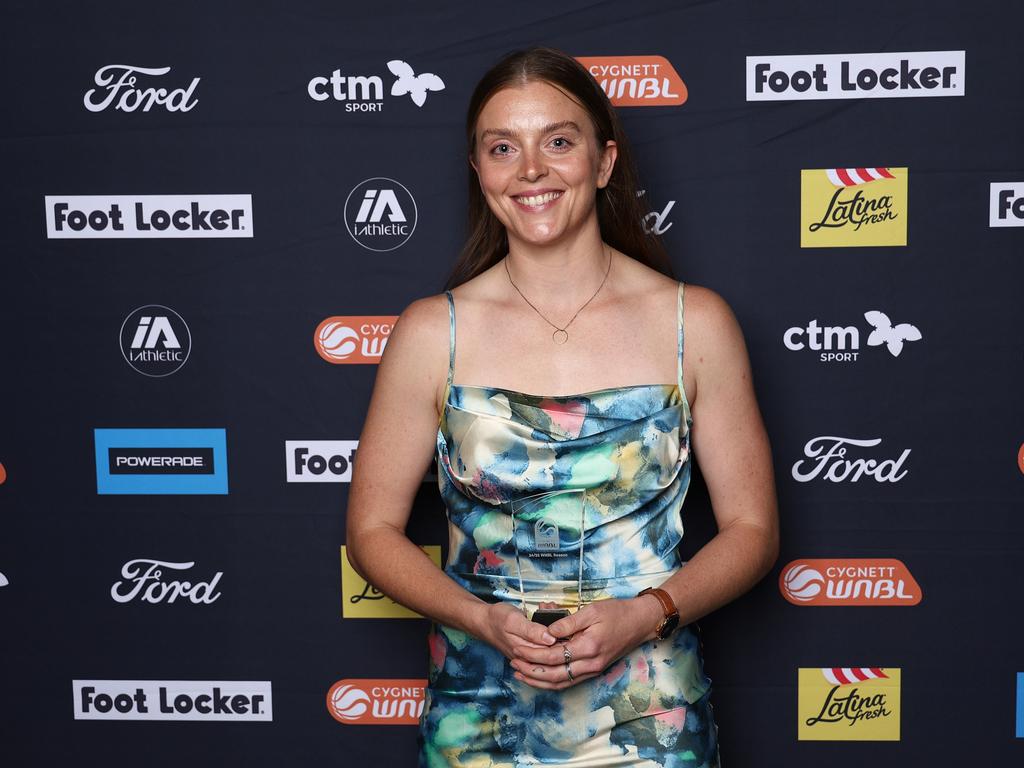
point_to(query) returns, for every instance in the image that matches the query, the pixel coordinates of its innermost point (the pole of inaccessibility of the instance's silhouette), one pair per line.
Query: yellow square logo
(841, 207)
(849, 704)
(361, 600)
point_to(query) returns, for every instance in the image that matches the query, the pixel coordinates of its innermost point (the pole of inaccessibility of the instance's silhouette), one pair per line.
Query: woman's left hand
(596, 636)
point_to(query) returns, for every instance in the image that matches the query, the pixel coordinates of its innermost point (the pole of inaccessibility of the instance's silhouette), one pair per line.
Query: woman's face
(539, 163)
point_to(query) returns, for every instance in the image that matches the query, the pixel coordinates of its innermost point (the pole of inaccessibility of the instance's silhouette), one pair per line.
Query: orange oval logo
(637, 81)
(353, 338)
(853, 581)
(376, 702)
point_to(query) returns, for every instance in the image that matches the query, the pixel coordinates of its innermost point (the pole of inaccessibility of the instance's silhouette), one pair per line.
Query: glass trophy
(548, 539)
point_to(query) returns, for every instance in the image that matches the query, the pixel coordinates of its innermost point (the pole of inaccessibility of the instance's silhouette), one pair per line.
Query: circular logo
(1020, 458)
(380, 214)
(334, 340)
(155, 340)
(346, 702)
(3, 474)
(802, 583)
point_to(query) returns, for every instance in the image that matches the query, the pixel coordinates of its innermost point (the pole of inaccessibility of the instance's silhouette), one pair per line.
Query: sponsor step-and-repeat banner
(213, 227)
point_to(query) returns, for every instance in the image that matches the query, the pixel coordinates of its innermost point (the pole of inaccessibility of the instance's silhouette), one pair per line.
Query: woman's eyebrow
(505, 133)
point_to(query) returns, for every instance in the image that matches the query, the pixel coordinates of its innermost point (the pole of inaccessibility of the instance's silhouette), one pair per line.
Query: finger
(573, 623)
(551, 678)
(575, 650)
(517, 625)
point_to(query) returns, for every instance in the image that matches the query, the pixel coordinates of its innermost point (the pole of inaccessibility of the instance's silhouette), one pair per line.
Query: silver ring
(568, 671)
(566, 653)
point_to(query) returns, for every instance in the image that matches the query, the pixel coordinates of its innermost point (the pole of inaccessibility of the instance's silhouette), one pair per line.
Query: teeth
(547, 197)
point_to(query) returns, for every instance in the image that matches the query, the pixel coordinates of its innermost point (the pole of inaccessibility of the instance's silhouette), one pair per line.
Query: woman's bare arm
(395, 449)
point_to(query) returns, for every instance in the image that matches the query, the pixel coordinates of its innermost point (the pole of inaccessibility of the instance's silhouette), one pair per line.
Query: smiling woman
(563, 626)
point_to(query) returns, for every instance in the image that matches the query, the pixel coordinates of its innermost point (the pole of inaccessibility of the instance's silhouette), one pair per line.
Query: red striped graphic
(851, 177)
(850, 675)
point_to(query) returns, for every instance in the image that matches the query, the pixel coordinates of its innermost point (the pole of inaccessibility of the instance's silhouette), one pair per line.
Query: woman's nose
(532, 165)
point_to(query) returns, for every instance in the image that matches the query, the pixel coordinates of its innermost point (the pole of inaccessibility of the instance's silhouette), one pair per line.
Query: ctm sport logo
(842, 343)
(161, 461)
(849, 704)
(842, 207)
(365, 93)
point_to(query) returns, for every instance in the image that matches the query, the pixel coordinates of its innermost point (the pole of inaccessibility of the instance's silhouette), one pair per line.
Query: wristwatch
(671, 620)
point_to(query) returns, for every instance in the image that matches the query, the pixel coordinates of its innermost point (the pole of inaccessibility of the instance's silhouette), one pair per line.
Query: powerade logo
(1020, 705)
(161, 461)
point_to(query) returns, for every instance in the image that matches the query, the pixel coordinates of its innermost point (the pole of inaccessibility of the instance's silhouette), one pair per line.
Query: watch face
(668, 626)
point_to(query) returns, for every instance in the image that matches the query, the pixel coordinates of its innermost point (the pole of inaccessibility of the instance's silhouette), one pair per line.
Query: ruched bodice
(566, 499)
(624, 449)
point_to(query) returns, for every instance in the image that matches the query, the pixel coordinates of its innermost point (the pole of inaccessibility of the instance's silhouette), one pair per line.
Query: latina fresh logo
(362, 600)
(849, 704)
(853, 207)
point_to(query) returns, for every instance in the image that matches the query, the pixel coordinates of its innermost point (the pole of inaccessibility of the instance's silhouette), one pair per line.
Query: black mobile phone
(548, 616)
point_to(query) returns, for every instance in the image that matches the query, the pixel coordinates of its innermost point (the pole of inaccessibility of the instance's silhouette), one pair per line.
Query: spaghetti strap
(451, 344)
(679, 359)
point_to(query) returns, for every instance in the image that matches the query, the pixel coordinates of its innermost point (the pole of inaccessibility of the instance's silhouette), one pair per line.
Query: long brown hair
(619, 212)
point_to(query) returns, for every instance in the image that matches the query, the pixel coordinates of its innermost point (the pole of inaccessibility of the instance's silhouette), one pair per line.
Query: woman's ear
(472, 162)
(607, 163)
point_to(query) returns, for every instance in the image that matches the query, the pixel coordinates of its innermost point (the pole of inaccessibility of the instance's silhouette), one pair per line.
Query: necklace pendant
(560, 336)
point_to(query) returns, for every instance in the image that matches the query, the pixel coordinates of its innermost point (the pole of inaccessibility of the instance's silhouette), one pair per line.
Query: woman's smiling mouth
(537, 200)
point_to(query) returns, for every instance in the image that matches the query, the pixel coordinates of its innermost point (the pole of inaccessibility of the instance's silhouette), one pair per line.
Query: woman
(563, 508)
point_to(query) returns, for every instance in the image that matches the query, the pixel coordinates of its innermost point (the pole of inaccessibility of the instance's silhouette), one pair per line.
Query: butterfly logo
(415, 85)
(891, 335)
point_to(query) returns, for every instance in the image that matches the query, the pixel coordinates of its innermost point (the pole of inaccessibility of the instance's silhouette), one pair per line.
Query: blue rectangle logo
(161, 461)
(1020, 705)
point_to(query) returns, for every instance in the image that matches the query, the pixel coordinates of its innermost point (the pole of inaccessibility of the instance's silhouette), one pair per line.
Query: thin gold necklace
(560, 335)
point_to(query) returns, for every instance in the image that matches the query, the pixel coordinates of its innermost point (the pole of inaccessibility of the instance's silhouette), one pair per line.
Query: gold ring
(568, 671)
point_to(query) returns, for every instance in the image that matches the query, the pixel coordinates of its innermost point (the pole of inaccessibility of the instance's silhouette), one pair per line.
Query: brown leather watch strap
(667, 603)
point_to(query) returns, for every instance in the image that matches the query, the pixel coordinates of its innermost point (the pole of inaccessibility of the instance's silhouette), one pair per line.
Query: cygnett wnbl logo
(161, 461)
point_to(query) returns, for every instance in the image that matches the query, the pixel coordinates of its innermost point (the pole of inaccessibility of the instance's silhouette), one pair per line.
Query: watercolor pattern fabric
(530, 482)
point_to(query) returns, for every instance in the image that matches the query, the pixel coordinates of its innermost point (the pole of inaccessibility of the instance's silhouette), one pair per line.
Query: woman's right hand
(508, 630)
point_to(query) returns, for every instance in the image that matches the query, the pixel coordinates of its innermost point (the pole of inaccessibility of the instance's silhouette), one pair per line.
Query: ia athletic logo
(380, 214)
(155, 340)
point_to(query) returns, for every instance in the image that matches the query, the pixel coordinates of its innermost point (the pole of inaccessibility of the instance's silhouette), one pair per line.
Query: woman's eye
(501, 149)
(561, 143)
